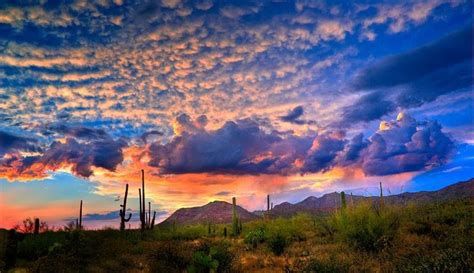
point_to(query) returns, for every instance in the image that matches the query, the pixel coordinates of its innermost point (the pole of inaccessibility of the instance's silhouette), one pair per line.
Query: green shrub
(255, 237)
(277, 244)
(365, 227)
(203, 263)
(34, 246)
(171, 257)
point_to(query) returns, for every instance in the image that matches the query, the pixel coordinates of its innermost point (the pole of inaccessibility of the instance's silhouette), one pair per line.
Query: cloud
(242, 147)
(223, 193)
(405, 145)
(13, 143)
(408, 67)
(367, 108)
(293, 115)
(81, 150)
(413, 78)
(424, 73)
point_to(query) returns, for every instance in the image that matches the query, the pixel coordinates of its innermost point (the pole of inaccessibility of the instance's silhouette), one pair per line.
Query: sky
(215, 99)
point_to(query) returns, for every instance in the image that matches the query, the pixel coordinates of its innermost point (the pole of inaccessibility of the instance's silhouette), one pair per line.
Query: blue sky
(245, 98)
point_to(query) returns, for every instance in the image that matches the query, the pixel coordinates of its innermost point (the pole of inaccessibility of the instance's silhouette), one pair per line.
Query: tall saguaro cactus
(79, 223)
(123, 211)
(268, 202)
(142, 220)
(37, 226)
(152, 225)
(381, 195)
(343, 200)
(145, 218)
(235, 221)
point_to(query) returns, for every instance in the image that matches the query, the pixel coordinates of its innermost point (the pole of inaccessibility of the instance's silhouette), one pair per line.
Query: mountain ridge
(221, 211)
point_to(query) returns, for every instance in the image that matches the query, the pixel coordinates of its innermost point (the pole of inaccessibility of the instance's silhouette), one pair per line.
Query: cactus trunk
(143, 202)
(235, 223)
(142, 226)
(343, 200)
(37, 226)
(123, 211)
(381, 196)
(153, 220)
(80, 216)
(268, 202)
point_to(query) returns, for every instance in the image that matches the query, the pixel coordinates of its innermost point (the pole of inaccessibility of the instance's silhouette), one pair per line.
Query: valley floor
(367, 238)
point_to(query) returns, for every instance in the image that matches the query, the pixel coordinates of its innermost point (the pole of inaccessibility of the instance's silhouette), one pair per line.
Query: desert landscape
(208, 136)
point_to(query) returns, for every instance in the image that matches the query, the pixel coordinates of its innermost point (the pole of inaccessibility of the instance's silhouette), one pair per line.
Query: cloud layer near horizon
(240, 147)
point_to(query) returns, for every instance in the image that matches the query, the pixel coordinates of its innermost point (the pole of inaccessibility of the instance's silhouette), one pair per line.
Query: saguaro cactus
(37, 226)
(225, 231)
(142, 216)
(145, 218)
(149, 216)
(381, 195)
(153, 220)
(79, 227)
(235, 221)
(123, 211)
(143, 202)
(268, 202)
(343, 200)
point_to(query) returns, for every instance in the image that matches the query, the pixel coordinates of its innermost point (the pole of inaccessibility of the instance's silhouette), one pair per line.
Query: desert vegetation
(367, 237)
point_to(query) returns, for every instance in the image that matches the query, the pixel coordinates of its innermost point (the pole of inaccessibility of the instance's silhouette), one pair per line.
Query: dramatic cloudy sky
(215, 99)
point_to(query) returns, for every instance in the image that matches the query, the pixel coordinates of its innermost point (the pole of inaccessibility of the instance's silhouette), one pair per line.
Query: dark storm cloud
(294, 116)
(242, 147)
(150, 134)
(10, 142)
(79, 132)
(411, 66)
(406, 146)
(369, 107)
(232, 148)
(352, 150)
(83, 149)
(323, 152)
(83, 156)
(415, 77)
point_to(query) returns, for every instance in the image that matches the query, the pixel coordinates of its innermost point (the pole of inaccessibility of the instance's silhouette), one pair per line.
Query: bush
(365, 227)
(216, 257)
(35, 246)
(171, 257)
(255, 237)
(277, 244)
(203, 263)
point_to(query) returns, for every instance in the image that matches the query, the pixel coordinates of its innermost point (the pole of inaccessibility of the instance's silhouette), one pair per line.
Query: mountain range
(221, 212)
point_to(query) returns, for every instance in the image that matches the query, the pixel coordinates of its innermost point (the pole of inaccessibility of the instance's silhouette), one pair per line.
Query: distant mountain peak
(213, 212)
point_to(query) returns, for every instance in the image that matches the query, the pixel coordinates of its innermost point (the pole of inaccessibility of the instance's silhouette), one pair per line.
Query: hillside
(215, 212)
